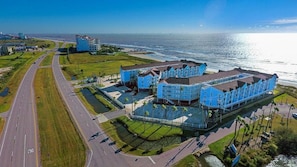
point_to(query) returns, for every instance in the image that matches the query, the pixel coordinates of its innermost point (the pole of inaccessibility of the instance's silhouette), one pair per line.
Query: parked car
(294, 115)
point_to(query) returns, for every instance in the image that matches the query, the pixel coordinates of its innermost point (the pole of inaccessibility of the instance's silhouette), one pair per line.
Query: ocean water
(264, 52)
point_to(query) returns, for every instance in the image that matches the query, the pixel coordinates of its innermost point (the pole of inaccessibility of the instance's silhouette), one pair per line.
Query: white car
(294, 115)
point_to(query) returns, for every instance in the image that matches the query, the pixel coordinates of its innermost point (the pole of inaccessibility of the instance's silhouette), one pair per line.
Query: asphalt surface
(19, 140)
(100, 152)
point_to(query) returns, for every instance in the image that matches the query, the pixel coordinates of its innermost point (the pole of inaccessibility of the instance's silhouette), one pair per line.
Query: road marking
(149, 157)
(87, 125)
(24, 161)
(34, 123)
(30, 150)
(104, 152)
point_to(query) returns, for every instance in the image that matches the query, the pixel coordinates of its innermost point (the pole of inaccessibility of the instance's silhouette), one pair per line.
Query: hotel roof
(256, 76)
(162, 66)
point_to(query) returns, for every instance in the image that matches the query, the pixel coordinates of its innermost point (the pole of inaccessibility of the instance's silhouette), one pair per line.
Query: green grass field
(47, 61)
(61, 144)
(285, 98)
(15, 77)
(97, 65)
(149, 131)
(112, 132)
(16, 58)
(188, 161)
(31, 42)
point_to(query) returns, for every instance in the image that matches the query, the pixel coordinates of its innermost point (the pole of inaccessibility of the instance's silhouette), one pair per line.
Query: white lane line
(149, 157)
(104, 152)
(87, 125)
(24, 161)
(11, 156)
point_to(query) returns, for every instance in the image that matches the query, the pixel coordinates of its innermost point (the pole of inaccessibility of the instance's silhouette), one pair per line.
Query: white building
(85, 43)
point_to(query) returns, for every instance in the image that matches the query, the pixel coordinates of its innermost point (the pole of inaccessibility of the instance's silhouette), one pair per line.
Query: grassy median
(2, 121)
(61, 144)
(13, 79)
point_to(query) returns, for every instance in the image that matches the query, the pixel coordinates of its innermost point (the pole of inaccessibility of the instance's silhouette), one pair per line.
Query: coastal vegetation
(31, 42)
(83, 65)
(248, 143)
(101, 99)
(19, 63)
(61, 144)
(188, 161)
(47, 61)
(2, 121)
(138, 140)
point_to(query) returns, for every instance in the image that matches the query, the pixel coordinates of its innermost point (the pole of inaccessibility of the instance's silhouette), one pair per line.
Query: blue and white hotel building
(222, 90)
(147, 76)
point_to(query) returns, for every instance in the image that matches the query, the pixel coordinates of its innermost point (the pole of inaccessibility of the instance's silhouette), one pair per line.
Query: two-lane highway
(19, 140)
(100, 154)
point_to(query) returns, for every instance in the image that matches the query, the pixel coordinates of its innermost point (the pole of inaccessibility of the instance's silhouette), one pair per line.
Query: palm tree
(135, 103)
(126, 100)
(272, 117)
(180, 93)
(164, 108)
(269, 120)
(290, 108)
(144, 104)
(146, 113)
(174, 108)
(237, 120)
(154, 108)
(185, 109)
(245, 130)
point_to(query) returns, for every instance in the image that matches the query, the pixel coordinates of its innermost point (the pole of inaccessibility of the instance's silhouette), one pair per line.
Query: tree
(174, 109)
(181, 88)
(146, 113)
(272, 117)
(154, 108)
(245, 130)
(269, 120)
(237, 120)
(185, 109)
(126, 100)
(134, 108)
(144, 104)
(290, 108)
(164, 108)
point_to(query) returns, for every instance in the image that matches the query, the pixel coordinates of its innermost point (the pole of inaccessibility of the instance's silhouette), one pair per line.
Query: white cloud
(285, 21)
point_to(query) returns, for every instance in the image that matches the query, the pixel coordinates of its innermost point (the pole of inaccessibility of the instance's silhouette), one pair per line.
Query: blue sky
(148, 16)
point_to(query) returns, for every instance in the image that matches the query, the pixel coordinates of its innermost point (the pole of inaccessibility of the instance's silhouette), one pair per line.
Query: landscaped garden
(142, 138)
(249, 135)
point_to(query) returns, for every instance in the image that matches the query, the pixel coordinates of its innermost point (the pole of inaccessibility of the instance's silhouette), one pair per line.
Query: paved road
(19, 140)
(101, 154)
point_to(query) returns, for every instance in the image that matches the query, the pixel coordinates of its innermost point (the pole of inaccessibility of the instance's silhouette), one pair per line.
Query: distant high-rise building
(85, 43)
(22, 36)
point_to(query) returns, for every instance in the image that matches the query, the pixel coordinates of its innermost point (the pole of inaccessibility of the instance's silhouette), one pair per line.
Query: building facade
(147, 76)
(236, 89)
(87, 44)
(222, 90)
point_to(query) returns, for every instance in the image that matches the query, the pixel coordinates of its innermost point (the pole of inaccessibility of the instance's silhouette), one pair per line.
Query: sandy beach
(145, 55)
(140, 54)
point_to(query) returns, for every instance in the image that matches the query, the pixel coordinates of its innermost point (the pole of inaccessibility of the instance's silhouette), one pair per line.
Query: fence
(185, 125)
(113, 100)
